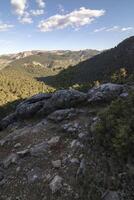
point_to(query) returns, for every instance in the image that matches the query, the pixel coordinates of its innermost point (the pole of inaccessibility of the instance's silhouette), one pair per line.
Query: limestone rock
(111, 195)
(105, 92)
(54, 140)
(56, 163)
(56, 184)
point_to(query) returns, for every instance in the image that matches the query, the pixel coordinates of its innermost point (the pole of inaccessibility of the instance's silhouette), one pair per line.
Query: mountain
(18, 77)
(55, 60)
(101, 67)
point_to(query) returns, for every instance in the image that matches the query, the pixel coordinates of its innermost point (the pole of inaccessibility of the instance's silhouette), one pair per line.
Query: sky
(64, 24)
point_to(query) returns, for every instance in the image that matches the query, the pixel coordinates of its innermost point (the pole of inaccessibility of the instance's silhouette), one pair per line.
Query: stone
(39, 149)
(71, 127)
(54, 140)
(17, 145)
(60, 115)
(56, 163)
(105, 92)
(82, 168)
(35, 174)
(23, 153)
(56, 184)
(75, 144)
(111, 195)
(81, 135)
(124, 95)
(44, 104)
(74, 161)
(11, 159)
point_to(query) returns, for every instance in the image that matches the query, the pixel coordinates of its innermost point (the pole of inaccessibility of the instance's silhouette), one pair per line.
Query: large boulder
(44, 104)
(105, 92)
(47, 103)
(32, 105)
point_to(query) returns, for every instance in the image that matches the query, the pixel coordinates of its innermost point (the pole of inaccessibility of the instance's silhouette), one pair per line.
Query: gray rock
(60, 115)
(54, 140)
(10, 119)
(110, 195)
(39, 149)
(74, 161)
(48, 103)
(71, 127)
(45, 104)
(56, 184)
(82, 168)
(23, 153)
(11, 159)
(17, 145)
(35, 174)
(124, 95)
(28, 110)
(75, 144)
(105, 92)
(56, 163)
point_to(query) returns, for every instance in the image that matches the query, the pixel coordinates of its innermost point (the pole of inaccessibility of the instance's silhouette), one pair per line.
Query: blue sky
(64, 24)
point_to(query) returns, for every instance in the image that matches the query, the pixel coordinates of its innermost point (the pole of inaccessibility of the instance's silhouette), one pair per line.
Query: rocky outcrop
(56, 156)
(60, 105)
(105, 92)
(44, 104)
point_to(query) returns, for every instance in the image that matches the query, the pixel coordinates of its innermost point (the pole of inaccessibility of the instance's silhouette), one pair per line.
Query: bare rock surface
(54, 157)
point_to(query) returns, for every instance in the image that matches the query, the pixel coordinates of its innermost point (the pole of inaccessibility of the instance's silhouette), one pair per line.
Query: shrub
(115, 129)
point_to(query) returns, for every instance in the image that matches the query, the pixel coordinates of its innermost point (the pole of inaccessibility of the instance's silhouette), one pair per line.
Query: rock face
(60, 105)
(47, 103)
(105, 92)
(44, 104)
(55, 156)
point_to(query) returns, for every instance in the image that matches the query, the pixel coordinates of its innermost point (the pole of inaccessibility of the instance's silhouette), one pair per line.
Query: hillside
(18, 77)
(70, 145)
(108, 65)
(55, 60)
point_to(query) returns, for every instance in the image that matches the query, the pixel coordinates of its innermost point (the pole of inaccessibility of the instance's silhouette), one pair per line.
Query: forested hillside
(110, 65)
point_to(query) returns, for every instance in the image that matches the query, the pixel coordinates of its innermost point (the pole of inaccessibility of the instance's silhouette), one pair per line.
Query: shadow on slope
(100, 67)
(8, 108)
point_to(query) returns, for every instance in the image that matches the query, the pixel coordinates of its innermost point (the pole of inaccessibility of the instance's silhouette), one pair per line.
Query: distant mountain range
(55, 60)
(20, 72)
(28, 73)
(100, 67)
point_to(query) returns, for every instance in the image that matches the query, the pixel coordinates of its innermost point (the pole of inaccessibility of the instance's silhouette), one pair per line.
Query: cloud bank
(5, 27)
(19, 6)
(114, 29)
(75, 19)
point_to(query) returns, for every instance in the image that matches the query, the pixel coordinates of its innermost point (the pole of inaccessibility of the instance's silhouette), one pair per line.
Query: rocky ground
(47, 149)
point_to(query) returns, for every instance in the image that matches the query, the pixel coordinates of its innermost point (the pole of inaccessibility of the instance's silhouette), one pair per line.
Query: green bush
(115, 129)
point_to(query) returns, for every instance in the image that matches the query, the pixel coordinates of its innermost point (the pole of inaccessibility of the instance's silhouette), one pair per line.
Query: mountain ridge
(100, 67)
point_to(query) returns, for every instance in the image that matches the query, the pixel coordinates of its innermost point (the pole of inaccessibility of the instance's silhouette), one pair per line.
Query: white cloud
(19, 6)
(41, 3)
(5, 27)
(37, 12)
(114, 28)
(127, 29)
(25, 18)
(100, 29)
(75, 19)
